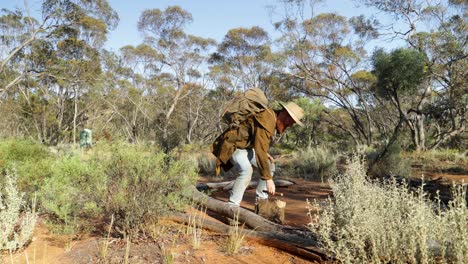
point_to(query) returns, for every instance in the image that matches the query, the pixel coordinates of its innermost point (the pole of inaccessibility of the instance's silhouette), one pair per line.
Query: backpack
(237, 114)
(239, 109)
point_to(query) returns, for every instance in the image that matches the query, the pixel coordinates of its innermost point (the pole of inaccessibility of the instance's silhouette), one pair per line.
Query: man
(250, 146)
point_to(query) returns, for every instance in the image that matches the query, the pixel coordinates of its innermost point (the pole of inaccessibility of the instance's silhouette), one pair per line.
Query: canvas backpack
(239, 109)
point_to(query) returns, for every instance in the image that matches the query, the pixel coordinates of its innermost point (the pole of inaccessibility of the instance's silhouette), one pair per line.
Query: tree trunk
(75, 113)
(421, 133)
(227, 185)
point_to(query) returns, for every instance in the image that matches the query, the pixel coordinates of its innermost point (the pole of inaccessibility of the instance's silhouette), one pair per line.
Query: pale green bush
(142, 186)
(17, 221)
(21, 150)
(315, 162)
(70, 193)
(132, 182)
(371, 222)
(441, 160)
(30, 159)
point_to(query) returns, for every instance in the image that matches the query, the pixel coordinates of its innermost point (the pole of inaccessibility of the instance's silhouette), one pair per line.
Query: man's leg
(261, 187)
(240, 159)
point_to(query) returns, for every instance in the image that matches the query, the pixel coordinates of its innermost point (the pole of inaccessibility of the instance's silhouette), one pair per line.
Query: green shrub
(318, 162)
(143, 186)
(17, 221)
(442, 159)
(21, 150)
(282, 149)
(71, 191)
(133, 182)
(391, 164)
(31, 160)
(449, 155)
(372, 222)
(32, 174)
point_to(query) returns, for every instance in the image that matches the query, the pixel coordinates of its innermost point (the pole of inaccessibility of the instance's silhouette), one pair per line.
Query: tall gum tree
(245, 59)
(180, 57)
(54, 58)
(326, 56)
(438, 30)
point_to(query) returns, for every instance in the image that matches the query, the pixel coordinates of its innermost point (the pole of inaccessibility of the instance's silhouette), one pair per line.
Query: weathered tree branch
(227, 185)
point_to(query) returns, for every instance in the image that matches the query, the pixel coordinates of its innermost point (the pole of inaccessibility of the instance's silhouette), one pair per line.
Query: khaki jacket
(256, 132)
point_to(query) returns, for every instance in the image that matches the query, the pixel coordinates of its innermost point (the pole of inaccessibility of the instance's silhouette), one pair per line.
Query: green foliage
(142, 185)
(71, 191)
(282, 149)
(206, 164)
(20, 151)
(317, 162)
(398, 73)
(134, 183)
(30, 159)
(441, 159)
(374, 222)
(17, 221)
(310, 133)
(391, 164)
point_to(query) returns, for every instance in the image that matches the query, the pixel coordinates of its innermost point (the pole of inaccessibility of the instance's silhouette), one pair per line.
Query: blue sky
(211, 18)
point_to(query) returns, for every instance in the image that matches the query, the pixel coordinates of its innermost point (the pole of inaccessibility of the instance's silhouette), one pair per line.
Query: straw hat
(294, 111)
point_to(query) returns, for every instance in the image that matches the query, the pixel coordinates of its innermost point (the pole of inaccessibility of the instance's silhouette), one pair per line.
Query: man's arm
(261, 146)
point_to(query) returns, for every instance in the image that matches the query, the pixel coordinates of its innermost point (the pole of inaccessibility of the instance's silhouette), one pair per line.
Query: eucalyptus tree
(180, 57)
(327, 59)
(438, 29)
(56, 59)
(244, 59)
(400, 75)
(445, 48)
(128, 90)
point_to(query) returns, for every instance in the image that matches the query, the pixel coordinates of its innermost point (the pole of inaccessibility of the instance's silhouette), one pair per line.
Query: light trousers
(244, 161)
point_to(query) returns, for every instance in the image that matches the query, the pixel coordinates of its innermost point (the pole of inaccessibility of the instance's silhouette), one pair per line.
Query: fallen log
(297, 241)
(265, 238)
(227, 185)
(254, 221)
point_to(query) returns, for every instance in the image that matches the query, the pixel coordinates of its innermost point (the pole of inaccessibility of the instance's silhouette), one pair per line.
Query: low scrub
(206, 164)
(375, 222)
(314, 162)
(443, 159)
(142, 185)
(31, 160)
(133, 183)
(21, 150)
(71, 192)
(17, 220)
(393, 163)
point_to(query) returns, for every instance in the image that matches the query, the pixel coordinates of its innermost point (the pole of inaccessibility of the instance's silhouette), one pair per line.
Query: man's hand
(270, 184)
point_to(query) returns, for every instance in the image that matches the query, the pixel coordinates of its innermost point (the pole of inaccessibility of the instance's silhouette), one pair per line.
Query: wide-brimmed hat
(295, 111)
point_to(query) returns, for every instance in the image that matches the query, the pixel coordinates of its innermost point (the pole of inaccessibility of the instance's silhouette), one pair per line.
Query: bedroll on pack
(251, 102)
